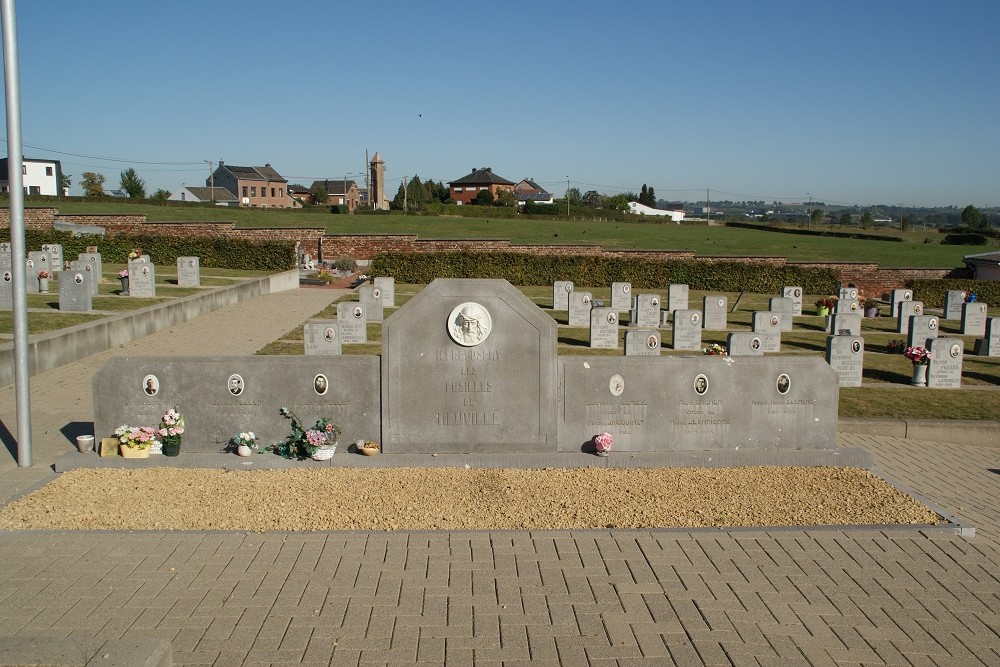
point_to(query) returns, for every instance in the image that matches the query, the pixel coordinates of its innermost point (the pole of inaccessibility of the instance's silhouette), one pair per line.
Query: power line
(106, 159)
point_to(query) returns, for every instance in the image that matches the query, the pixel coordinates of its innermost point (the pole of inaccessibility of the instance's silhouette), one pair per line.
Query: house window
(244, 191)
(272, 192)
(35, 190)
(253, 190)
(281, 192)
(48, 171)
(24, 169)
(458, 189)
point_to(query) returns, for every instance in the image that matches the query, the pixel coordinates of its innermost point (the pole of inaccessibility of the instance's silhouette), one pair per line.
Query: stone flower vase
(124, 282)
(243, 450)
(919, 375)
(43, 285)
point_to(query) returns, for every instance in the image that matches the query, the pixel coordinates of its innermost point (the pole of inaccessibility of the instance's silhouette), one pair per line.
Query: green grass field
(700, 238)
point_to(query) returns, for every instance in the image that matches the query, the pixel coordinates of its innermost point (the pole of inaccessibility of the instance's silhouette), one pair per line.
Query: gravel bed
(461, 499)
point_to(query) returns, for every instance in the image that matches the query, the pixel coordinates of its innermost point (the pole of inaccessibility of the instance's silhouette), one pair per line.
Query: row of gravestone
(325, 337)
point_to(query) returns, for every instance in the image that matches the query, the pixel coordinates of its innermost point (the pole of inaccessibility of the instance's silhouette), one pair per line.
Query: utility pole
(406, 206)
(809, 210)
(567, 196)
(367, 173)
(708, 202)
(211, 178)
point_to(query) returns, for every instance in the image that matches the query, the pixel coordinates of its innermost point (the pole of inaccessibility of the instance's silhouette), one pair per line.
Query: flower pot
(603, 453)
(133, 452)
(243, 450)
(171, 448)
(85, 443)
(43, 285)
(822, 311)
(919, 375)
(124, 282)
(871, 312)
(324, 453)
(369, 451)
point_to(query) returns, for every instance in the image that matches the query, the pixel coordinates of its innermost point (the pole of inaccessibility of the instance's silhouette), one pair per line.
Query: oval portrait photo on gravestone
(932, 324)
(151, 385)
(78, 278)
(6, 276)
(358, 312)
(320, 384)
(755, 343)
(469, 324)
(856, 346)
(235, 384)
(695, 318)
(626, 288)
(612, 318)
(774, 320)
(956, 350)
(784, 383)
(652, 343)
(329, 334)
(700, 384)
(616, 385)
(918, 309)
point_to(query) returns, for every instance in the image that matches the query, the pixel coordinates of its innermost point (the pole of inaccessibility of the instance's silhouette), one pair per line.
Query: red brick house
(255, 187)
(466, 189)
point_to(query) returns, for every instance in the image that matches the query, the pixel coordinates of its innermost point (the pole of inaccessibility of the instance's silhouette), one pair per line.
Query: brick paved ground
(894, 596)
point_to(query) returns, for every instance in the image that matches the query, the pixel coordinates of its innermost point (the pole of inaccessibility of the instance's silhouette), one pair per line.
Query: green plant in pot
(170, 432)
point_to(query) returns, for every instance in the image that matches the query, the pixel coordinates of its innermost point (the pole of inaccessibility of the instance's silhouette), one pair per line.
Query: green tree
(484, 198)
(616, 203)
(652, 198)
(92, 184)
(397, 203)
(867, 220)
(160, 195)
(593, 199)
(845, 219)
(132, 184)
(973, 218)
(816, 215)
(574, 196)
(416, 195)
(319, 194)
(505, 198)
(65, 180)
(643, 195)
(904, 224)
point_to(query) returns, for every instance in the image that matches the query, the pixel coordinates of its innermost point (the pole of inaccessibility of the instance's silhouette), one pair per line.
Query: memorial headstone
(6, 289)
(580, 304)
(896, 297)
(371, 300)
(795, 294)
(351, 322)
(322, 338)
(388, 286)
(989, 344)
(848, 294)
(142, 279)
(55, 252)
(469, 366)
(621, 296)
(974, 318)
(686, 333)
(953, 302)
(847, 306)
(945, 368)
(677, 298)
(75, 291)
(845, 324)
(786, 308)
(767, 325)
(715, 311)
(907, 309)
(43, 262)
(31, 276)
(646, 311)
(745, 344)
(91, 273)
(189, 272)
(604, 328)
(846, 355)
(95, 259)
(642, 343)
(923, 328)
(561, 290)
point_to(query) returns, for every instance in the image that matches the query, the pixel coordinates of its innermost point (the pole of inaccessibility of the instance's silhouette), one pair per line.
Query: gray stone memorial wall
(686, 333)
(745, 344)
(604, 328)
(845, 324)
(189, 272)
(989, 344)
(974, 318)
(677, 298)
(646, 311)
(75, 291)
(561, 290)
(907, 309)
(767, 325)
(922, 328)
(953, 302)
(945, 368)
(370, 297)
(580, 304)
(846, 356)
(642, 343)
(795, 294)
(698, 403)
(469, 366)
(141, 279)
(715, 312)
(223, 396)
(388, 286)
(322, 337)
(621, 296)
(352, 323)
(786, 308)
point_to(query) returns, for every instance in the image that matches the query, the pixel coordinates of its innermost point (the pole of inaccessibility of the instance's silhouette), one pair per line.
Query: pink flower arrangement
(918, 355)
(44, 274)
(171, 427)
(603, 442)
(123, 273)
(136, 436)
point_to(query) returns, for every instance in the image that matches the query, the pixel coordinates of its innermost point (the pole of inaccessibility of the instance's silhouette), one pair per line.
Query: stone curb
(978, 433)
(53, 652)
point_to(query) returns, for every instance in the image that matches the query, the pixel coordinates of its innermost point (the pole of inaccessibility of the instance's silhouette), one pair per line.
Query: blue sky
(852, 101)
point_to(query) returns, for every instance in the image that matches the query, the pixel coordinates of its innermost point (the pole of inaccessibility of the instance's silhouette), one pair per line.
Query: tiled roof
(205, 194)
(334, 186)
(484, 176)
(265, 173)
(984, 258)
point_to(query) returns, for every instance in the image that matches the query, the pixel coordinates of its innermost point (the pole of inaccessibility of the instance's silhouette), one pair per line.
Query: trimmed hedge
(816, 232)
(931, 292)
(527, 269)
(964, 239)
(219, 253)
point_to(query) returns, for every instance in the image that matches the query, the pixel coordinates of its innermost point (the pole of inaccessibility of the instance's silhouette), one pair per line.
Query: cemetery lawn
(886, 392)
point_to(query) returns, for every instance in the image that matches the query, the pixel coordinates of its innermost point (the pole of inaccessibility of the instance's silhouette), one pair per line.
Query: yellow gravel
(461, 499)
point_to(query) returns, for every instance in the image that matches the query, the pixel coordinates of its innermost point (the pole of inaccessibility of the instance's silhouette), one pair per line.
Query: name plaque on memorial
(322, 338)
(953, 302)
(189, 272)
(845, 324)
(371, 300)
(388, 286)
(923, 328)
(561, 290)
(846, 356)
(621, 296)
(677, 297)
(945, 368)
(604, 328)
(907, 309)
(686, 334)
(715, 311)
(642, 343)
(974, 318)
(785, 307)
(351, 322)
(580, 304)
(795, 294)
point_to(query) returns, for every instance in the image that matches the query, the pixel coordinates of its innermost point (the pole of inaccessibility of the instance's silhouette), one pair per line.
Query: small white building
(984, 266)
(222, 196)
(41, 177)
(642, 209)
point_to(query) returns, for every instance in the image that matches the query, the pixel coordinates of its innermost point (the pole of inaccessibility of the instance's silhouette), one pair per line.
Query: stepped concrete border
(51, 350)
(56, 652)
(978, 433)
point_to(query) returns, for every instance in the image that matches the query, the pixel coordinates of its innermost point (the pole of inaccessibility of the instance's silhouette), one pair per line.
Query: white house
(642, 209)
(41, 177)
(985, 266)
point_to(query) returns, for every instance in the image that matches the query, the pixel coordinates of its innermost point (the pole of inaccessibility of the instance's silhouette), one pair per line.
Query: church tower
(376, 189)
